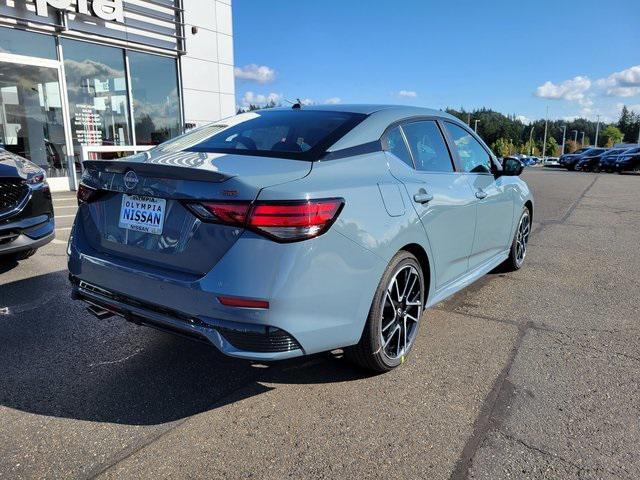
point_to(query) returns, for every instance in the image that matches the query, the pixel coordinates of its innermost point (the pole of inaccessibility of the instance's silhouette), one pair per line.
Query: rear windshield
(295, 134)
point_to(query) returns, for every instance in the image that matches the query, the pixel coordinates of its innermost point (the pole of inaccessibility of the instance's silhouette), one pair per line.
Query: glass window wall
(97, 91)
(156, 103)
(31, 120)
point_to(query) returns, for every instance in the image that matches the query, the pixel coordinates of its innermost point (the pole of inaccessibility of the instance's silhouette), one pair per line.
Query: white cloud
(250, 98)
(622, 84)
(256, 73)
(407, 93)
(523, 119)
(333, 100)
(574, 90)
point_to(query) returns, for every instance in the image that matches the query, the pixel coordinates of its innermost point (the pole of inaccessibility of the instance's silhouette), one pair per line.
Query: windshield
(295, 134)
(615, 151)
(593, 151)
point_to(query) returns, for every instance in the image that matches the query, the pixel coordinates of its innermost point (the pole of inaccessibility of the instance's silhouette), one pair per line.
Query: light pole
(564, 134)
(638, 134)
(544, 142)
(597, 131)
(575, 138)
(582, 143)
(475, 125)
(531, 141)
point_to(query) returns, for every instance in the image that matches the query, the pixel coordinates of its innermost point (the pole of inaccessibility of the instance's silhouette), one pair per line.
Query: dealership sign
(111, 10)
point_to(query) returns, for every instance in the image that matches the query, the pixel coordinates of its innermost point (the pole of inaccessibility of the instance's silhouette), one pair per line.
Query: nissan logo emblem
(130, 180)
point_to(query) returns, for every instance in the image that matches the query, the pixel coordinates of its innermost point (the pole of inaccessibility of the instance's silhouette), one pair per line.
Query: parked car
(284, 232)
(26, 209)
(629, 161)
(568, 160)
(590, 160)
(551, 162)
(609, 159)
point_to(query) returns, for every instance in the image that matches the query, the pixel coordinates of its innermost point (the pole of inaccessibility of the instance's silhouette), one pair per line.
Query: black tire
(370, 352)
(515, 260)
(597, 169)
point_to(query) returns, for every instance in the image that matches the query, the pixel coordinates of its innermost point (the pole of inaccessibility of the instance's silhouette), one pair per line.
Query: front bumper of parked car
(30, 225)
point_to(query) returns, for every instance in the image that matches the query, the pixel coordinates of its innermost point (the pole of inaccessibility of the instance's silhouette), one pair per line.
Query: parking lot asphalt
(532, 374)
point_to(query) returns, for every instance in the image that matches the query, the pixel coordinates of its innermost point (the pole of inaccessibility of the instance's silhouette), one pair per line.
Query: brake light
(285, 221)
(85, 193)
(232, 213)
(291, 221)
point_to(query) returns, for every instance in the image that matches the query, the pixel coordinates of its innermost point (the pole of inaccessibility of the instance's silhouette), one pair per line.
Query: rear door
(442, 198)
(494, 196)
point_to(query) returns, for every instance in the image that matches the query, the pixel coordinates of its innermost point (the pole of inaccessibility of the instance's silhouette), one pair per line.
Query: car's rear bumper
(319, 293)
(243, 340)
(26, 234)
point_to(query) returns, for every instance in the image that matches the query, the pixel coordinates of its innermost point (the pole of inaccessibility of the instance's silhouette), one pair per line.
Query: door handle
(481, 194)
(422, 197)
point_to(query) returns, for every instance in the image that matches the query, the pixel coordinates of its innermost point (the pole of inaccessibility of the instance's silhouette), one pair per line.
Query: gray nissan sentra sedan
(291, 231)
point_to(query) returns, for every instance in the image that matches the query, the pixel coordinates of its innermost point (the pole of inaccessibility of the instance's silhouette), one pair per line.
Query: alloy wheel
(522, 238)
(401, 310)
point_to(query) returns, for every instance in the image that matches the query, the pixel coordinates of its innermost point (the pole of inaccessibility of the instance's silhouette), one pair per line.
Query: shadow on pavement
(58, 360)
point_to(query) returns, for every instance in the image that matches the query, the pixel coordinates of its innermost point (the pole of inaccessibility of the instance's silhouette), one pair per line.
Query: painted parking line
(63, 229)
(65, 216)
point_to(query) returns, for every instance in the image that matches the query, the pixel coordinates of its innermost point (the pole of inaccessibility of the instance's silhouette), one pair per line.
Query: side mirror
(512, 167)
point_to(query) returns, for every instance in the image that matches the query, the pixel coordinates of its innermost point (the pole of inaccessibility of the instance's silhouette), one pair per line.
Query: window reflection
(31, 123)
(30, 44)
(97, 89)
(156, 104)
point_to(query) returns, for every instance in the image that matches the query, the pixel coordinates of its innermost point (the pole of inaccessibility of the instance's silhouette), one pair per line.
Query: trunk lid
(186, 244)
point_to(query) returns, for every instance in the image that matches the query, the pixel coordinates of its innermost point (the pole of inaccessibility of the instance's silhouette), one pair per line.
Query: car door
(443, 200)
(495, 199)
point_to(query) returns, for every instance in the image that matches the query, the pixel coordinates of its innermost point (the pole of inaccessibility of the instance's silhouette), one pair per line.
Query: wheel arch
(423, 258)
(529, 205)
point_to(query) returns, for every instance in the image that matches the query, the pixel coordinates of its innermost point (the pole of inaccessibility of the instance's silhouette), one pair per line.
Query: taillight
(292, 221)
(85, 193)
(233, 213)
(286, 221)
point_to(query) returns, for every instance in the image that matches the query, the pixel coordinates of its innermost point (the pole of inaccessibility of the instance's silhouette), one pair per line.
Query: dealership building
(103, 78)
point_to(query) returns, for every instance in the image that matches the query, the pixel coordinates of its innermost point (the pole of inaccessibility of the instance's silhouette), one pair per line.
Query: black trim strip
(371, 147)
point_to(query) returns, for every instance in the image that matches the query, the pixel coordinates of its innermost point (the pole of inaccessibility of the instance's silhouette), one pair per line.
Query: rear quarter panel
(367, 221)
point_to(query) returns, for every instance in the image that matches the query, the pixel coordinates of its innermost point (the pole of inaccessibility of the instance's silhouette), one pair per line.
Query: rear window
(295, 134)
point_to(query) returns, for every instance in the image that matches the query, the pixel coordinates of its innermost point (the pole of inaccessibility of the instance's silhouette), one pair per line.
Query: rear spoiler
(157, 170)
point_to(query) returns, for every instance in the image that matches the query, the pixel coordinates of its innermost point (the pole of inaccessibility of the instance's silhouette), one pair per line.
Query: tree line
(507, 134)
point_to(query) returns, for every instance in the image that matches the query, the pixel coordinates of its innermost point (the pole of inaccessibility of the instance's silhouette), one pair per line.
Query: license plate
(142, 214)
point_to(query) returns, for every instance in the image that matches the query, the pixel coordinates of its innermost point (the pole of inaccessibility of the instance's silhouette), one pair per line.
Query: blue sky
(517, 57)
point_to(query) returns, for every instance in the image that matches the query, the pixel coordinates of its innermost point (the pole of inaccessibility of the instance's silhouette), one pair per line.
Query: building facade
(110, 76)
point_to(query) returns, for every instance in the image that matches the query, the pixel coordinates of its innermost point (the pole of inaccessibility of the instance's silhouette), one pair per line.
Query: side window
(473, 156)
(397, 146)
(428, 147)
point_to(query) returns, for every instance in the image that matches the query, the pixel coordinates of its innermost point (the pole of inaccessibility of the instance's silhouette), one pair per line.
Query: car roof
(379, 117)
(369, 108)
